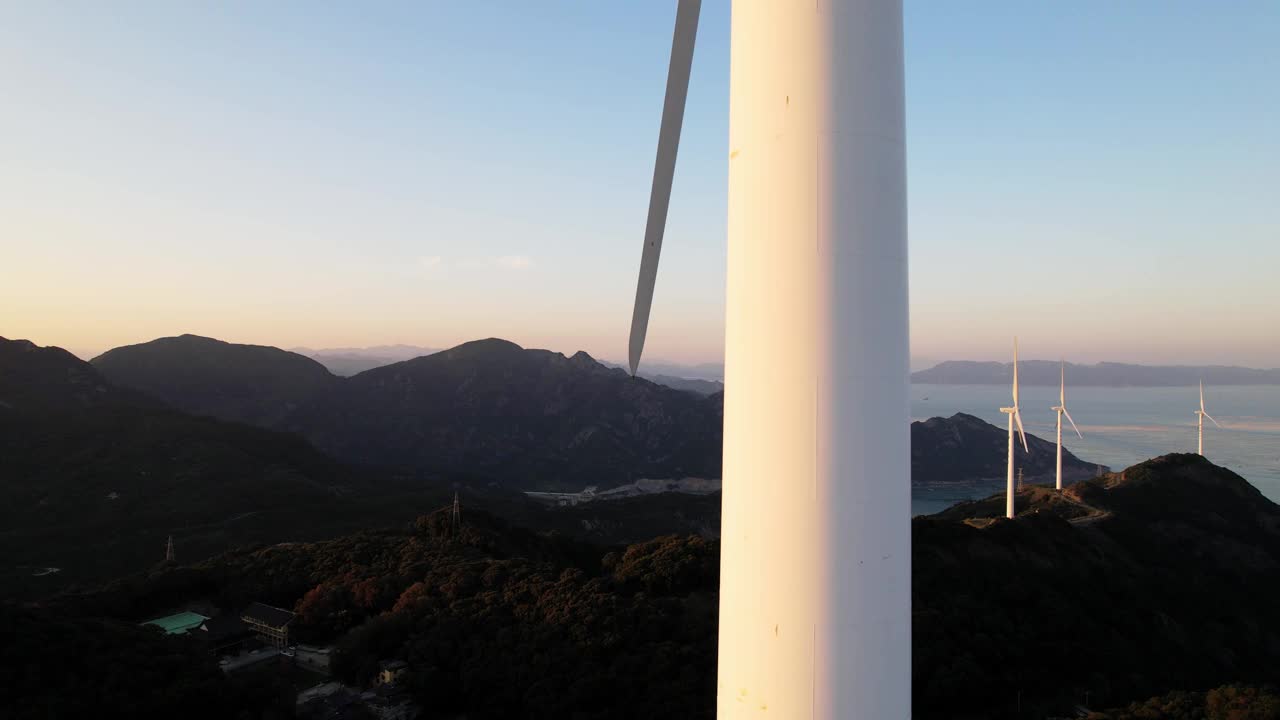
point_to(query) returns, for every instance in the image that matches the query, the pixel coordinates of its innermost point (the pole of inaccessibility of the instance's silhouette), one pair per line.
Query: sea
(1121, 426)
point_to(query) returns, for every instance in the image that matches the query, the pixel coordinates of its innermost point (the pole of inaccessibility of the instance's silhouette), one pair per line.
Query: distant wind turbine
(1061, 409)
(1200, 416)
(1014, 416)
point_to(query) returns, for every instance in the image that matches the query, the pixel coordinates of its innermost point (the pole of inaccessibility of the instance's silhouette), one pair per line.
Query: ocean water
(1122, 426)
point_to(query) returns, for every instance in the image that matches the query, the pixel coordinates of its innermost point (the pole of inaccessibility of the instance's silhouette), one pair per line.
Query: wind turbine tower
(815, 564)
(168, 551)
(1200, 416)
(1015, 415)
(1061, 409)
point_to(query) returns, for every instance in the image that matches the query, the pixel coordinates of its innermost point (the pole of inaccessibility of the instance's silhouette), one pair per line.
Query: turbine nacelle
(1017, 418)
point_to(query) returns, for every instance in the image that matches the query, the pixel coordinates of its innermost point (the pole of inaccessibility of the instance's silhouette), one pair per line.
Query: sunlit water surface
(1122, 426)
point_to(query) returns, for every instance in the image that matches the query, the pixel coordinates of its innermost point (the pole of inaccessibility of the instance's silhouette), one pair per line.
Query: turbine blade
(1017, 415)
(1201, 396)
(1215, 422)
(664, 168)
(1015, 372)
(1073, 422)
(1062, 387)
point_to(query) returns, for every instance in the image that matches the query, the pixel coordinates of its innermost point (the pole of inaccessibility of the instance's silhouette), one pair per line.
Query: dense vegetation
(1172, 586)
(1229, 702)
(1039, 612)
(495, 620)
(58, 666)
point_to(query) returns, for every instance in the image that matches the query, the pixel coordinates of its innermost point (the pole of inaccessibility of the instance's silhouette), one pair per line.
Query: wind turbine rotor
(1015, 372)
(1073, 422)
(682, 43)
(1062, 386)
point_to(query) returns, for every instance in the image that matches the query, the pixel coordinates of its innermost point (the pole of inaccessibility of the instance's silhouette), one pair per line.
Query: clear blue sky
(1099, 177)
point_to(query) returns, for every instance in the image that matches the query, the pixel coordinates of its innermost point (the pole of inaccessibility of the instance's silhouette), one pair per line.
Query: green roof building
(179, 623)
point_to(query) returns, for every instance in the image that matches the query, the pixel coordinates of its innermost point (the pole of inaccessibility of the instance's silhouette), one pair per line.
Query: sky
(1099, 178)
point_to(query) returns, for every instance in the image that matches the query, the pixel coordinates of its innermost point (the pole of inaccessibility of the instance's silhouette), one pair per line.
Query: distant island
(1105, 374)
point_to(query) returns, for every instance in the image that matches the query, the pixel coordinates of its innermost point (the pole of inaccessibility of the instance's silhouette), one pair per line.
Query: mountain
(529, 418)
(1159, 577)
(96, 477)
(1107, 374)
(245, 383)
(346, 362)
(38, 380)
(964, 448)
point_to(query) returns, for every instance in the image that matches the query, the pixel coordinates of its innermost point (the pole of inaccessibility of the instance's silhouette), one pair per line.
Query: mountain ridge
(532, 418)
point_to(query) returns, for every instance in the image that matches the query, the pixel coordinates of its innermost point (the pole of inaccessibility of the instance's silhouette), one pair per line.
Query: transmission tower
(1019, 478)
(455, 517)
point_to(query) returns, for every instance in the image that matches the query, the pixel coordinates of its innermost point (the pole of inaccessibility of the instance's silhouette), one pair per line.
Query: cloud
(501, 262)
(514, 262)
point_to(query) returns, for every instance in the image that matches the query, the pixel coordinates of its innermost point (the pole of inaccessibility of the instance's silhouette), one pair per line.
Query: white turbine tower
(815, 579)
(1200, 416)
(1015, 415)
(1061, 409)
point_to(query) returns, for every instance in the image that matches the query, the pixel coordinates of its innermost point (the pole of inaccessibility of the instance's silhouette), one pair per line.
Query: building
(225, 633)
(270, 624)
(315, 658)
(389, 702)
(178, 623)
(390, 671)
(335, 701)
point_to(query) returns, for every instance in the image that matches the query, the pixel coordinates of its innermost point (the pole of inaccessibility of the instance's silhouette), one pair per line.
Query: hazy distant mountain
(532, 418)
(705, 379)
(964, 448)
(245, 383)
(713, 372)
(1042, 372)
(351, 361)
(700, 387)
